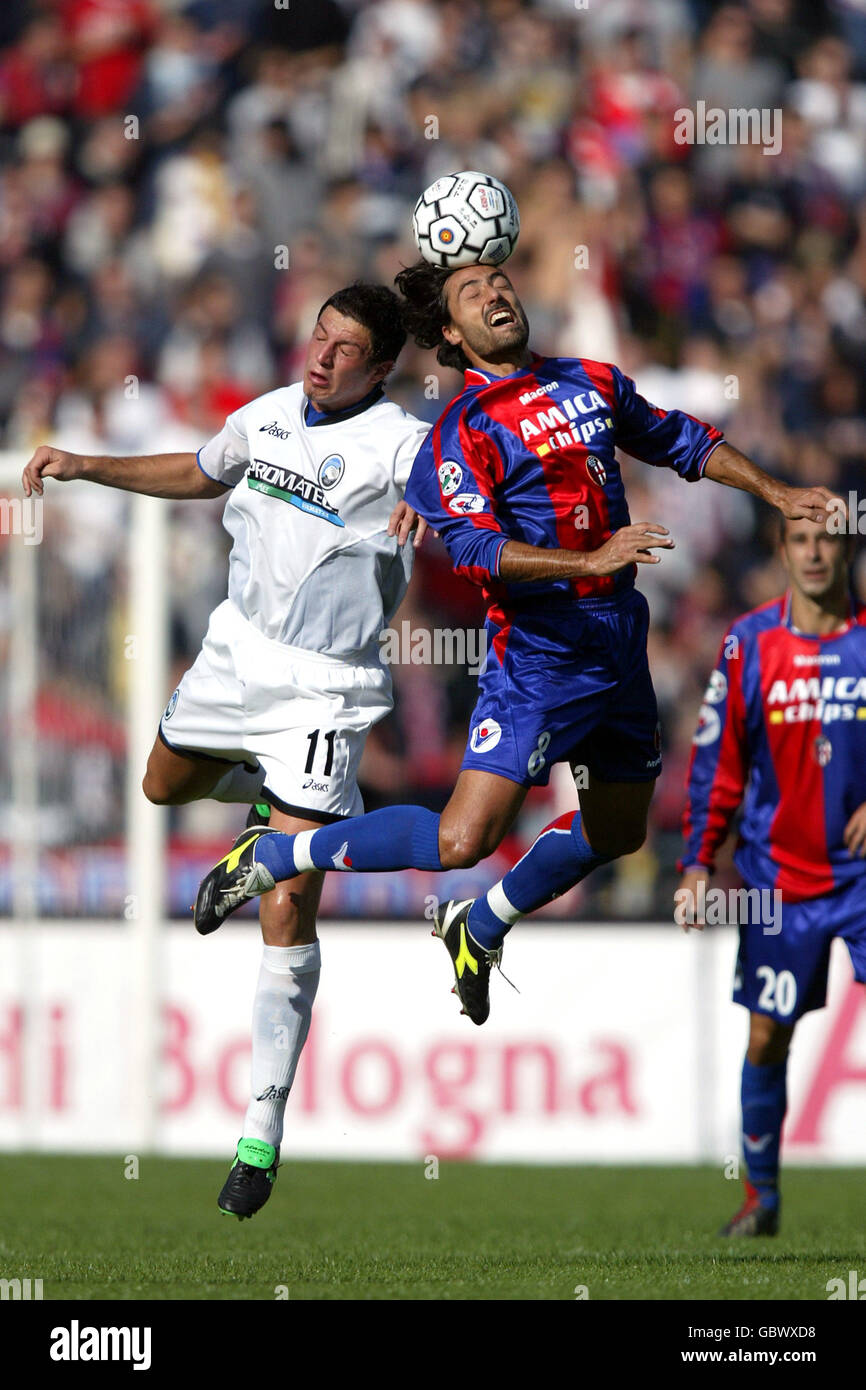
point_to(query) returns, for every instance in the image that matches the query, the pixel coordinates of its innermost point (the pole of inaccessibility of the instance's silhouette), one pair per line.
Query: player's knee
(768, 1054)
(288, 917)
(280, 928)
(461, 846)
(633, 838)
(769, 1041)
(617, 840)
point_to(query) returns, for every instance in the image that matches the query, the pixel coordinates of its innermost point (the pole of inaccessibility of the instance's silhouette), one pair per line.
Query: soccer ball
(466, 219)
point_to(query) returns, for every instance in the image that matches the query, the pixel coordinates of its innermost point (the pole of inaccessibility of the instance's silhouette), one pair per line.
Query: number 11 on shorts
(313, 740)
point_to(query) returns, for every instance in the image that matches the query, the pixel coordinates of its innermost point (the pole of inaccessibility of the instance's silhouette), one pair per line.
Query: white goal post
(145, 845)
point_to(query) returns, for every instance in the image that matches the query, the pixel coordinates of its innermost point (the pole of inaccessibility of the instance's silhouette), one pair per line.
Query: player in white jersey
(289, 679)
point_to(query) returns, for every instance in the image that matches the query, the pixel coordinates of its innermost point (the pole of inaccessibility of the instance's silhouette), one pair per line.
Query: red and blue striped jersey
(531, 457)
(783, 730)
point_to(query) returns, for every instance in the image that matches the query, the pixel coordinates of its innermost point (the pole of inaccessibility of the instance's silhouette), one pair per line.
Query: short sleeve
(407, 453)
(226, 457)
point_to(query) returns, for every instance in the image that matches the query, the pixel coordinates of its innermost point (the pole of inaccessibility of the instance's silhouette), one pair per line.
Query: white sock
(240, 784)
(501, 907)
(288, 980)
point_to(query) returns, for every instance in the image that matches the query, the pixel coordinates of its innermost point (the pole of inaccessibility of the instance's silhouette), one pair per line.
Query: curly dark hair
(377, 309)
(425, 312)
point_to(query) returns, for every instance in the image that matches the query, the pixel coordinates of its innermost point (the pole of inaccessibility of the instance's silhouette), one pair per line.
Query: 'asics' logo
(274, 429)
(274, 1093)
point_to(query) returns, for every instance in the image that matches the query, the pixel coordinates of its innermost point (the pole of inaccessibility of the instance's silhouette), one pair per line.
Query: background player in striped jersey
(520, 478)
(783, 730)
(289, 679)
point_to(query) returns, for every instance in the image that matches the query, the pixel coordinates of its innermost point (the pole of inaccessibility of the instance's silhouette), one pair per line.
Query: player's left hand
(855, 833)
(814, 503)
(403, 521)
(689, 896)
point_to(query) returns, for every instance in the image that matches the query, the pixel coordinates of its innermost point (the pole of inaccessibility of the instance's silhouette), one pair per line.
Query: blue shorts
(784, 973)
(573, 686)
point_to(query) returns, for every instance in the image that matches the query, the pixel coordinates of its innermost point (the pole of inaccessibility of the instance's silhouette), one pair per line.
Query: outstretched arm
(157, 475)
(634, 544)
(727, 465)
(694, 449)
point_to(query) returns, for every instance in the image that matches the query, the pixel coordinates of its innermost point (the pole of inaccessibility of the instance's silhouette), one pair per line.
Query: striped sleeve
(666, 438)
(452, 485)
(719, 763)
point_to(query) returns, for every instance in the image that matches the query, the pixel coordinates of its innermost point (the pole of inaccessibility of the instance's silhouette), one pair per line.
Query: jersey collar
(313, 417)
(474, 376)
(817, 636)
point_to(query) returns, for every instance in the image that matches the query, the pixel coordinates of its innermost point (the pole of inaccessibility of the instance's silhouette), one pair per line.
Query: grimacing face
(487, 318)
(337, 370)
(816, 561)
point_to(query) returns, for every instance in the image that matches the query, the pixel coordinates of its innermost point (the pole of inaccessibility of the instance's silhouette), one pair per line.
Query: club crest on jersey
(466, 502)
(172, 705)
(450, 476)
(596, 469)
(331, 471)
(485, 736)
(822, 750)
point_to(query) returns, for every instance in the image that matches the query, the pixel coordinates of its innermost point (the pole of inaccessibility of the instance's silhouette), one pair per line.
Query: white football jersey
(312, 563)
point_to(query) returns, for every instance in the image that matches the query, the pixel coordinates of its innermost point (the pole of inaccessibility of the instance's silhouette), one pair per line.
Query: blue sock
(558, 859)
(764, 1100)
(397, 837)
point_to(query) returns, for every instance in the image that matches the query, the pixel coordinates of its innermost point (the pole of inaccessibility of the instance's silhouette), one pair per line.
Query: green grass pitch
(384, 1231)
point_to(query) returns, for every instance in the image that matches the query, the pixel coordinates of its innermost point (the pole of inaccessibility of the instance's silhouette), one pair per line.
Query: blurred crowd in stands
(183, 184)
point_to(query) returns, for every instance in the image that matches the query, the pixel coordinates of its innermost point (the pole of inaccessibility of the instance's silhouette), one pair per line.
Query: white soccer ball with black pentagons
(466, 219)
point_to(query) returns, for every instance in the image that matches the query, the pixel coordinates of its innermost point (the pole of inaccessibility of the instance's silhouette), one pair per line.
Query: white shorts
(303, 717)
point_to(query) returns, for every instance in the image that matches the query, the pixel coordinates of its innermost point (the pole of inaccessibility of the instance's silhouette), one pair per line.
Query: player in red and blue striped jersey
(783, 731)
(521, 479)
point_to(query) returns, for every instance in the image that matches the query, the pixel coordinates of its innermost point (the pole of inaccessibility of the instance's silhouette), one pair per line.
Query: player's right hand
(49, 462)
(631, 545)
(688, 899)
